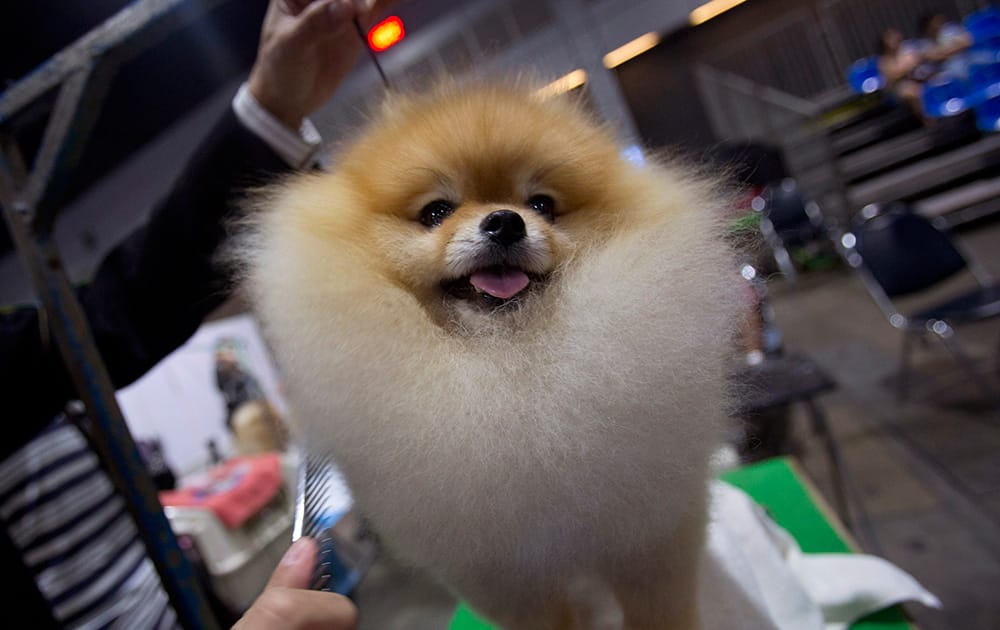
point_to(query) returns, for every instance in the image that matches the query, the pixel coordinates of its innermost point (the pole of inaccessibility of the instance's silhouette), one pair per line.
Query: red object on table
(234, 491)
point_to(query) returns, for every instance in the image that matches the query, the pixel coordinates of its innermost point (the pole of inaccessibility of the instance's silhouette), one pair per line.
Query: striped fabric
(75, 535)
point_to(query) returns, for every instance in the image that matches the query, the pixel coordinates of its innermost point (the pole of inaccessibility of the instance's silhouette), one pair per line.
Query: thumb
(296, 566)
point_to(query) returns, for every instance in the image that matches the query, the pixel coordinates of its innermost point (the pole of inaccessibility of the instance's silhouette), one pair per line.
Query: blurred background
(868, 203)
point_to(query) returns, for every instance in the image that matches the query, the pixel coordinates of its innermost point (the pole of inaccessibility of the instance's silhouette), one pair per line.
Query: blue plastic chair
(984, 26)
(864, 77)
(988, 115)
(983, 83)
(945, 96)
(979, 56)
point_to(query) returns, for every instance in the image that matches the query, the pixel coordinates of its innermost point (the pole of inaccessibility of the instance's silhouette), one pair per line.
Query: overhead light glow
(386, 34)
(564, 83)
(633, 48)
(711, 9)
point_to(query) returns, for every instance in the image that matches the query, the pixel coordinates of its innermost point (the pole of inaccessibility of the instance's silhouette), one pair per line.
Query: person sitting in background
(946, 38)
(904, 69)
(943, 44)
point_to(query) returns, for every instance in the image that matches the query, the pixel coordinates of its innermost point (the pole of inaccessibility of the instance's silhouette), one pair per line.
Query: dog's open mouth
(492, 286)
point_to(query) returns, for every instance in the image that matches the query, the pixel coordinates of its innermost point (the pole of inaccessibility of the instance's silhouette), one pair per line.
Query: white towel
(754, 575)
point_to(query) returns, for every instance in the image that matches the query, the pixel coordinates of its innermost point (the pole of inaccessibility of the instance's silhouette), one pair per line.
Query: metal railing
(742, 110)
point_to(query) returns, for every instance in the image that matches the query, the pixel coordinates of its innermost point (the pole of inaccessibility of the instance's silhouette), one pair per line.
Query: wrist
(297, 147)
(270, 102)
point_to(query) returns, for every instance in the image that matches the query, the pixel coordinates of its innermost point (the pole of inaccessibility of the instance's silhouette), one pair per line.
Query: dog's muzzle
(499, 265)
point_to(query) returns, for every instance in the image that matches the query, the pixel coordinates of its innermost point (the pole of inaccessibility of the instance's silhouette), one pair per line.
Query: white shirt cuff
(297, 149)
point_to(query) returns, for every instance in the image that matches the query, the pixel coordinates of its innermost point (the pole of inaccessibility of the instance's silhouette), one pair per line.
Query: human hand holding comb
(286, 604)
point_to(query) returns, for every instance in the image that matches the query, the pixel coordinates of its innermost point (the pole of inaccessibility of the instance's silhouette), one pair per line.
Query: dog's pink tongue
(503, 283)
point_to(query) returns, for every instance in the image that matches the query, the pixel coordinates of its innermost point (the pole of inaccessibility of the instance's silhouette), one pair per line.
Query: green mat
(788, 496)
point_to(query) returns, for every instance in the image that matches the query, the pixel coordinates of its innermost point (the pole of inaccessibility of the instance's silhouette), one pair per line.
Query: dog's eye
(543, 205)
(435, 212)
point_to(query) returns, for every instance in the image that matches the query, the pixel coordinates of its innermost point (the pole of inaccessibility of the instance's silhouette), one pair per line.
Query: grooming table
(791, 499)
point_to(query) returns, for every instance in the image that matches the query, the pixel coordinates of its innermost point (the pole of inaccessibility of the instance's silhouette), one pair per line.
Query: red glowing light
(386, 34)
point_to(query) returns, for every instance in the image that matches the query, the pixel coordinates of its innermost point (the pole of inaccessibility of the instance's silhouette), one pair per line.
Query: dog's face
(474, 200)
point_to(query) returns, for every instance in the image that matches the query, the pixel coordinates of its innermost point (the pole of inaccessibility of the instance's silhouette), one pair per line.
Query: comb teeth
(322, 483)
(321, 504)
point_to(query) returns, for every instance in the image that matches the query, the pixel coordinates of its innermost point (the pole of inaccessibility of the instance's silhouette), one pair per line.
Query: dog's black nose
(505, 227)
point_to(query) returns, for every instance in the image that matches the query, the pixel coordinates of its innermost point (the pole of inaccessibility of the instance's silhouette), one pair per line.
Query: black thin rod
(371, 53)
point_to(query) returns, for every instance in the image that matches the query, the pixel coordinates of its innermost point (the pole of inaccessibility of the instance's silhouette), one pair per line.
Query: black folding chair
(788, 220)
(899, 253)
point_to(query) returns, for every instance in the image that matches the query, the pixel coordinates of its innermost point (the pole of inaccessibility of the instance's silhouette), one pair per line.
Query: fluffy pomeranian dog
(512, 341)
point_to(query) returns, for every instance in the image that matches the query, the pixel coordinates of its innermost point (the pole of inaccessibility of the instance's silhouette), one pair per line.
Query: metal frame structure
(30, 197)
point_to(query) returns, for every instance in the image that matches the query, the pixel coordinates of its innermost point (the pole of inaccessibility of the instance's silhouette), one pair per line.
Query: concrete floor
(926, 472)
